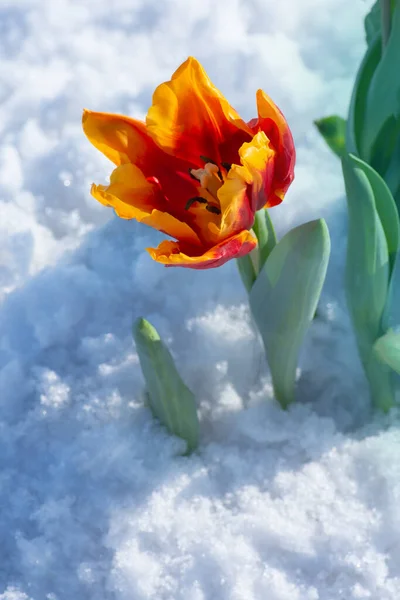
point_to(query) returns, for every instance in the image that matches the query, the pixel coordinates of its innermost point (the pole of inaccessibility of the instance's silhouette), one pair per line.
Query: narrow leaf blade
(392, 308)
(367, 268)
(246, 270)
(392, 173)
(358, 104)
(169, 398)
(265, 233)
(367, 274)
(387, 349)
(384, 89)
(384, 205)
(372, 23)
(385, 144)
(284, 298)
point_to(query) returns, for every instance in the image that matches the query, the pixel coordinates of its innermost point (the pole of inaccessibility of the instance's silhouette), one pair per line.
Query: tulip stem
(255, 260)
(246, 270)
(385, 21)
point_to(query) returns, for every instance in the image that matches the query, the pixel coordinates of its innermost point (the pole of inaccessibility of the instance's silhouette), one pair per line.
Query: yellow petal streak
(255, 157)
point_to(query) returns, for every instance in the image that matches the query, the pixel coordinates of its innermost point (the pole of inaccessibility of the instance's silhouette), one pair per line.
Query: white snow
(97, 502)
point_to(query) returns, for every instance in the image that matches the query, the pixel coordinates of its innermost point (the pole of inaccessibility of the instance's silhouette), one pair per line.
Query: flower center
(211, 180)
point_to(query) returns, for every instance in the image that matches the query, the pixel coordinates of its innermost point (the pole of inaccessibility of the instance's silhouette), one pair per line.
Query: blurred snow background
(96, 502)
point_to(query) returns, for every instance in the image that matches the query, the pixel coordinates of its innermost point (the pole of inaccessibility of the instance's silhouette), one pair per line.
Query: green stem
(246, 270)
(381, 382)
(255, 260)
(380, 377)
(385, 21)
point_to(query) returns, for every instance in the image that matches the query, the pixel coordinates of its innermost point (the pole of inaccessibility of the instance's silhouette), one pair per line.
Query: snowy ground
(96, 501)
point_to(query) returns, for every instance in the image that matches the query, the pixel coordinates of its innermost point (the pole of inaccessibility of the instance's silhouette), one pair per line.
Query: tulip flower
(194, 170)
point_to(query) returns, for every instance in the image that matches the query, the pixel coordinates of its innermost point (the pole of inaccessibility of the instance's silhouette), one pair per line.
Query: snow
(97, 502)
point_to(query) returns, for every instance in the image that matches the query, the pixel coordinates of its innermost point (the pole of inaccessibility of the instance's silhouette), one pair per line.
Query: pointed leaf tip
(170, 400)
(144, 328)
(333, 130)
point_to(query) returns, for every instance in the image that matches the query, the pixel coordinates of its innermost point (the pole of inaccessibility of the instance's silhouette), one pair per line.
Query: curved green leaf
(169, 398)
(265, 233)
(250, 264)
(384, 148)
(372, 22)
(367, 274)
(392, 174)
(387, 349)
(333, 130)
(284, 298)
(392, 308)
(385, 206)
(358, 103)
(383, 96)
(246, 269)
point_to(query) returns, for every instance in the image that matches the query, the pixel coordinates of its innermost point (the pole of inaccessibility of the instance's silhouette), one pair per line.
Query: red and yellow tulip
(194, 170)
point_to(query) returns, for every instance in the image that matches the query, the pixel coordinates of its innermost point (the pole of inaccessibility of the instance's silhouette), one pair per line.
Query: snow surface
(97, 502)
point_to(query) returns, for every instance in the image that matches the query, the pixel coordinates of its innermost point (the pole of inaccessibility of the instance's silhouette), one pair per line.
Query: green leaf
(385, 206)
(284, 298)
(392, 309)
(247, 271)
(169, 398)
(265, 233)
(356, 118)
(367, 274)
(384, 147)
(372, 23)
(383, 96)
(250, 264)
(387, 349)
(392, 174)
(333, 130)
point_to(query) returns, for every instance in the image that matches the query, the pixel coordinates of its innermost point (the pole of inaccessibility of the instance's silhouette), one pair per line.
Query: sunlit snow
(96, 501)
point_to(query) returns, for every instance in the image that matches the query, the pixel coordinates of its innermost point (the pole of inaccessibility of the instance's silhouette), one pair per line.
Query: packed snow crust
(97, 502)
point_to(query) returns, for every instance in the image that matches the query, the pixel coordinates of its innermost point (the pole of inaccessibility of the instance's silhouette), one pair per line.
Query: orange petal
(272, 122)
(124, 140)
(119, 138)
(189, 117)
(174, 254)
(133, 197)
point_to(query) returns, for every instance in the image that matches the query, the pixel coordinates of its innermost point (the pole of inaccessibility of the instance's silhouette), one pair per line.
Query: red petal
(174, 254)
(272, 122)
